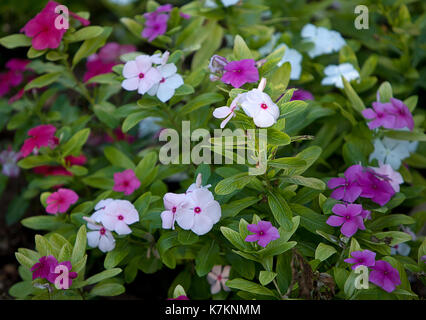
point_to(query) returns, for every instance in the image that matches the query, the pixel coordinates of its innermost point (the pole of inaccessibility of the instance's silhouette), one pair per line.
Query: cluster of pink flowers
(42, 27)
(13, 77)
(156, 22)
(382, 273)
(108, 56)
(45, 269)
(235, 73)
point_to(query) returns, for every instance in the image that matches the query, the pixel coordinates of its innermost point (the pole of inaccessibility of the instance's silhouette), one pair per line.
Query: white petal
(130, 69)
(264, 120)
(168, 70)
(215, 288)
(154, 89)
(93, 238)
(143, 63)
(122, 228)
(165, 93)
(202, 224)
(213, 211)
(130, 84)
(175, 81)
(167, 218)
(107, 243)
(221, 112)
(185, 219)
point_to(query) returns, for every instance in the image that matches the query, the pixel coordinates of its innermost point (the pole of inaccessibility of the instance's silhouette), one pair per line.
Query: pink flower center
(120, 217)
(141, 75)
(385, 273)
(264, 106)
(361, 260)
(237, 71)
(162, 80)
(219, 278)
(197, 210)
(261, 233)
(348, 217)
(174, 209)
(102, 231)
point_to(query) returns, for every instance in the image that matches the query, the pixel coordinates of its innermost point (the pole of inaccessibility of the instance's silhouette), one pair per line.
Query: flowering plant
(318, 172)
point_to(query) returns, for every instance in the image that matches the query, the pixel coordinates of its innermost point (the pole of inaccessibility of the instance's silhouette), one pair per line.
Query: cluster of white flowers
(195, 210)
(152, 75)
(392, 151)
(334, 74)
(255, 103)
(110, 215)
(325, 41)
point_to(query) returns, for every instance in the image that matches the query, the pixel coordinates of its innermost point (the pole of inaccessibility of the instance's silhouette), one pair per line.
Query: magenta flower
(155, 25)
(237, 73)
(40, 136)
(126, 182)
(264, 233)
(60, 201)
(179, 298)
(347, 188)
(17, 64)
(366, 214)
(378, 190)
(404, 118)
(42, 268)
(382, 115)
(52, 275)
(385, 276)
(301, 94)
(42, 28)
(362, 258)
(347, 216)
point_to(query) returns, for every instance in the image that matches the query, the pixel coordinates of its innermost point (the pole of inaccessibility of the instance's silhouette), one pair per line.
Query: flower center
(385, 273)
(237, 71)
(361, 260)
(102, 231)
(264, 106)
(162, 80)
(348, 217)
(197, 210)
(141, 75)
(219, 277)
(261, 233)
(120, 217)
(174, 209)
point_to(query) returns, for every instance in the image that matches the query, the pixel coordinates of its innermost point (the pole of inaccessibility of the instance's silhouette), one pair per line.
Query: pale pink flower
(99, 236)
(217, 278)
(60, 201)
(118, 214)
(172, 203)
(170, 81)
(393, 177)
(126, 182)
(140, 75)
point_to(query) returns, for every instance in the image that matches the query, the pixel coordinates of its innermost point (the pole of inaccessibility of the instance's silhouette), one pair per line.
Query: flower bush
(333, 178)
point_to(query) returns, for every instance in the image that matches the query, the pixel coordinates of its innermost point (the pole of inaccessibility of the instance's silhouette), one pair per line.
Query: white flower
(212, 4)
(173, 204)
(228, 3)
(334, 74)
(100, 209)
(325, 41)
(392, 151)
(395, 178)
(169, 82)
(117, 215)
(100, 237)
(200, 212)
(228, 112)
(294, 58)
(259, 106)
(217, 278)
(140, 75)
(402, 249)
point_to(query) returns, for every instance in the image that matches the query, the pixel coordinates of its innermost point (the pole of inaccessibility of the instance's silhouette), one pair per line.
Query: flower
(366, 214)
(217, 278)
(42, 28)
(155, 25)
(237, 73)
(59, 170)
(172, 203)
(170, 81)
(228, 3)
(294, 58)
(199, 212)
(42, 268)
(402, 249)
(404, 118)
(264, 233)
(119, 135)
(117, 215)
(348, 216)
(53, 275)
(100, 237)
(362, 258)
(8, 159)
(334, 74)
(382, 114)
(385, 276)
(16, 64)
(228, 112)
(259, 106)
(182, 297)
(300, 94)
(140, 75)
(392, 176)
(40, 136)
(60, 201)
(392, 151)
(217, 66)
(325, 41)
(375, 188)
(347, 188)
(126, 182)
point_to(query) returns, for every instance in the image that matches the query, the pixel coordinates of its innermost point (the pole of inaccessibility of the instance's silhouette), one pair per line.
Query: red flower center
(141, 75)
(162, 80)
(219, 277)
(261, 233)
(174, 209)
(102, 231)
(197, 210)
(264, 106)
(348, 217)
(120, 217)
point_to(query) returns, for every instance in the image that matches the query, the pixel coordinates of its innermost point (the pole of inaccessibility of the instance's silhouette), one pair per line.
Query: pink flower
(300, 94)
(53, 275)
(382, 114)
(237, 73)
(140, 75)
(40, 136)
(59, 170)
(117, 215)
(16, 64)
(404, 118)
(217, 278)
(60, 201)
(376, 188)
(119, 135)
(155, 25)
(362, 258)
(179, 298)
(347, 216)
(126, 182)
(347, 188)
(42, 268)
(385, 276)
(392, 176)
(42, 28)
(172, 203)
(264, 233)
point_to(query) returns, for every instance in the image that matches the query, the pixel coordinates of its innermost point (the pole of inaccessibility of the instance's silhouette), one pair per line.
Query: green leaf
(204, 99)
(287, 163)
(392, 220)
(236, 182)
(107, 113)
(108, 289)
(187, 237)
(231, 209)
(90, 46)
(206, 257)
(79, 245)
(281, 210)
(324, 251)
(133, 119)
(86, 33)
(310, 220)
(245, 285)
(241, 51)
(106, 274)
(73, 146)
(396, 237)
(279, 80)
(34, 161)
(42, 223)
(278, 138)
(406, 135)
(353, 97)
(43, 80)
(265, 277)
(291, 108)
(276, 247)
(234, 237)
(385, 92)
(312, 183)
(21, 289)
(117, 158)
(114, 257)
(15, 40)
(134, 27)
